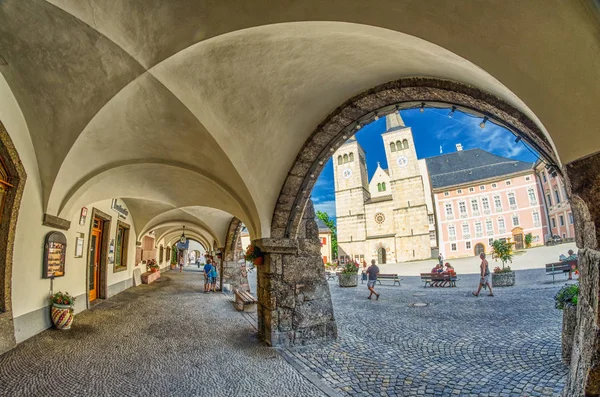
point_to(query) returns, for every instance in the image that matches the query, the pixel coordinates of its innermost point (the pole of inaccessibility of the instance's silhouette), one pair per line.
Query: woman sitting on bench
(449, 270)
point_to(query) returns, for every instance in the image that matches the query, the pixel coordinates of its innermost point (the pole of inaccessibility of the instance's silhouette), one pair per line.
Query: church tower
(351, 192)
(407, 188)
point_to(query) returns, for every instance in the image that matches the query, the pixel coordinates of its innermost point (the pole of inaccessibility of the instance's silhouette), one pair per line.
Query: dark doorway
(381, 256)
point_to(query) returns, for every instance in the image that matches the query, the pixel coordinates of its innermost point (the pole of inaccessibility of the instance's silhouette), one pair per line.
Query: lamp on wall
(183, 239)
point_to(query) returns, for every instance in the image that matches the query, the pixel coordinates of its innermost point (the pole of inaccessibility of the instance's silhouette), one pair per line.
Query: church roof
(379, 199)
(467, 166)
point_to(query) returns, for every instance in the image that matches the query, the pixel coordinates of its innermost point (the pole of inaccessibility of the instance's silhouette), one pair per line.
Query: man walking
(485, 275)
(372, 272)
(207, 279)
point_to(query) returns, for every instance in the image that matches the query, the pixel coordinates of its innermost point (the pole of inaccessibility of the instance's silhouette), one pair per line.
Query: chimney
(459, 147)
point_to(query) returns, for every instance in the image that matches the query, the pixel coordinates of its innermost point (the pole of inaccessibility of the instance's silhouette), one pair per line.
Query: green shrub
(567, 296)
(528, 240)
(350, 268)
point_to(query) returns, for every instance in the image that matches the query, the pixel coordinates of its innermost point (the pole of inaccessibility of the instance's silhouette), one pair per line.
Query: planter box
(568, 331)
(348, 280)
(503, 279)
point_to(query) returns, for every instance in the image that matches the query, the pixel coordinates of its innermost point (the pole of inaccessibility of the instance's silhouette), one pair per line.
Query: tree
(331, 225)
(528, 240)
(502, 250)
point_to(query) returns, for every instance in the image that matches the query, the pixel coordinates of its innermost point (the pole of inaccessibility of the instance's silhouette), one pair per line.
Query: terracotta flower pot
(153, 270)
(62, 316)
(259, 261)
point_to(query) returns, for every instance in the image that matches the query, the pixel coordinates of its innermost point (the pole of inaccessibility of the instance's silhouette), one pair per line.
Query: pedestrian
(372, 271)
(485, 276)
(207, 280)
(181, 262)
(213, 277)
(441, 259)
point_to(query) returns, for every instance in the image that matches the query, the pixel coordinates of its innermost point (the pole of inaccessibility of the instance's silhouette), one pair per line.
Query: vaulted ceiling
(195, 110)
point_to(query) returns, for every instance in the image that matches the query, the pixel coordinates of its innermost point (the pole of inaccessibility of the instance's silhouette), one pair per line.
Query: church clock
(402, 161)
(347, 173)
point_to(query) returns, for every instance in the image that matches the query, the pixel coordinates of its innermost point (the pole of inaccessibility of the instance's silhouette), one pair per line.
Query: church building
(389, 218)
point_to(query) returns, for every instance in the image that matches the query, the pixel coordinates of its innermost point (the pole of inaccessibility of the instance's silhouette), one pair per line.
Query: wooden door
(94, 258)
(518, 241)
(381, 256)
(479, 249)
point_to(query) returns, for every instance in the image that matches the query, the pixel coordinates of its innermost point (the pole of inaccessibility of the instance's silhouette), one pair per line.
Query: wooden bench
(244, 301)
(149, 277)
(330, 275)
(559, 267)
(393, 277)
(436, 279)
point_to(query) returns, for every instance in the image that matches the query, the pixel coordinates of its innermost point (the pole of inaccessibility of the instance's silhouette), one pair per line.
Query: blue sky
(431, 129)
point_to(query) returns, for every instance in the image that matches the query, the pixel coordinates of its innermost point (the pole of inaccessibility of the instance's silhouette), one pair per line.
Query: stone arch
(234, 272)
(347, 119)
(12, 203)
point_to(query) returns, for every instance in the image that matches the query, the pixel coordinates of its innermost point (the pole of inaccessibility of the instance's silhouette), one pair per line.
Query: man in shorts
(372, 273)
(207, 280)
(485, 275)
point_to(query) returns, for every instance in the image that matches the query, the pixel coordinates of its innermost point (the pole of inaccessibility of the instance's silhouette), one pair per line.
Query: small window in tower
(340, 160)
(398, 145)
(383, 187)
(405, 144)
(351, 157)
(393, 147)
(345, 158)
(379, 187)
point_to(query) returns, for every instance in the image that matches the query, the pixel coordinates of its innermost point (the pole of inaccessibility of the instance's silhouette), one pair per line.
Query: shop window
(121, 245)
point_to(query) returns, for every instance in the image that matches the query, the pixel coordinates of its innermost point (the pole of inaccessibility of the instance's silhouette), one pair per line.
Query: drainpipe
(546, 212)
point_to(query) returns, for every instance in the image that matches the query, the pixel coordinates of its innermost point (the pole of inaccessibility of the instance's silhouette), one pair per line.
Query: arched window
(405, 144)
(345, 158)
(351, 156)
(379, 187)
(340, 160)
(393, 147)
(398, 145)
(383, 187)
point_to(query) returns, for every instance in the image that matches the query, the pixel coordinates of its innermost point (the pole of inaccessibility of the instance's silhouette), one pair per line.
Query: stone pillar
(294, 303)
(234, 272)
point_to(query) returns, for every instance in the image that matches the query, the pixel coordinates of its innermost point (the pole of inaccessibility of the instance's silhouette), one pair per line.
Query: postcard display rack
(55, 249)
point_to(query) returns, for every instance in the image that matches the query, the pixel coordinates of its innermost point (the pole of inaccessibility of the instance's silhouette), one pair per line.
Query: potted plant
(152, 266)
(254, 255)
(62, 310)
(349, 275)
(502, 277)
(566, 300)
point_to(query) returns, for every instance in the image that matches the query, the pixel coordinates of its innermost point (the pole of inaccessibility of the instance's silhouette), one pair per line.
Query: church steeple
(394, 120)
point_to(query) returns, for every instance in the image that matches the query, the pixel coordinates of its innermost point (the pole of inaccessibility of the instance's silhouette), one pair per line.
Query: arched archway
(479, 249)
(381, 255)
(12, 183)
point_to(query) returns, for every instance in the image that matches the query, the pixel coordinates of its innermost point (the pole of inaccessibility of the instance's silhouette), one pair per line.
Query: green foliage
(567, 296)
(498, 270)
(331, 225)
(502, 250)
(174, 254)
(350, 268)
(528, 240)
(63, 298)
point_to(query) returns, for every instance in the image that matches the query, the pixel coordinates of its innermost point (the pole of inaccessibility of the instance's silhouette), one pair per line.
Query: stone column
(234, 272)
(294, 303)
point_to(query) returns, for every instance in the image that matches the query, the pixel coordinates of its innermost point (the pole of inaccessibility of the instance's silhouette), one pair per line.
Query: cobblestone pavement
(165, 339)
(457, 345)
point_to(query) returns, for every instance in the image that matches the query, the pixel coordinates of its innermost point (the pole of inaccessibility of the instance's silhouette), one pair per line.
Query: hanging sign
(83, 216)
(183, 246)
(120, 209)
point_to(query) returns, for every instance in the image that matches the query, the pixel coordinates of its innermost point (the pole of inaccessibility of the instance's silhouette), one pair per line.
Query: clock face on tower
(402, 161)
(347, 173)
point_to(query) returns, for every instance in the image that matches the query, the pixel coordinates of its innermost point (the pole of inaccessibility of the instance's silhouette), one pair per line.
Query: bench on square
(559, 267)
(149, 277)
(393, 277)
(439, 279)
(244, 302)
(330, 275)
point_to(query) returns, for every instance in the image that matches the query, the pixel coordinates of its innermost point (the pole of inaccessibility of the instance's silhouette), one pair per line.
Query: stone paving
(165, 339)
(457, 345)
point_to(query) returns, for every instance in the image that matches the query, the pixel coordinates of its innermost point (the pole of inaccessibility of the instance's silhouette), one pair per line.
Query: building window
(345, 158)
(507, 183)
(501, 225)
(494, 185)
(121, 243)
(452, 232)
(161, 254)
(532, 198)
(453, 246)
(431, 220)
(449, 210)
(481, 187)
(381, 187)
(465, 230)
(515, 220)
(398, 145)
(351, 157)
(432, 235)
(570, 218)
(446, 194)
(475, 207)
(489, 227)
(549, 198)
(468, 245)
(553, 222)
(485, 203)
(564, 235)
(392, 147)
(340, 160)
(512, 201)
(557, 195)
(536, 219)
(459, 191)
(561, 220)
(544, 177)
(471, 189)
(404, 144)
(527, 178)
(478, 229)
(498, 203)
(462, 208)
(323, 241)
(490, 242)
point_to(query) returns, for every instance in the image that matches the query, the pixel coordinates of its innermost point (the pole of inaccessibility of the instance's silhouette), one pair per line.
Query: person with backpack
(207, 280)
(213, 277)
